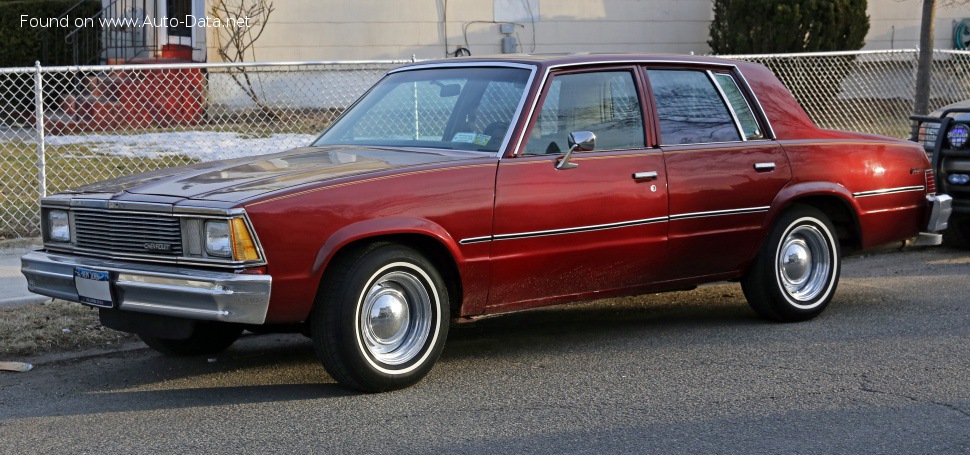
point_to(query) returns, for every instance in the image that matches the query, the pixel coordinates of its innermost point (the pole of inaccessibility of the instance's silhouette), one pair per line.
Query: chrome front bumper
(941, 206)
(166, 290)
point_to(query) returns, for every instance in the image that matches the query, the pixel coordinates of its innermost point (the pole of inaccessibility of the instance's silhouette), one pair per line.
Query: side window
(690, 109)
(740, 106)
(605, 103)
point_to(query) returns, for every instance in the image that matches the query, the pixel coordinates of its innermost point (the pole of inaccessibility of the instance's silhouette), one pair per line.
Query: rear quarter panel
(847, 164)
(843, 164)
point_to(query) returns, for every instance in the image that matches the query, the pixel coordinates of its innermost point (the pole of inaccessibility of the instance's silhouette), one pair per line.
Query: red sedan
(466, 187)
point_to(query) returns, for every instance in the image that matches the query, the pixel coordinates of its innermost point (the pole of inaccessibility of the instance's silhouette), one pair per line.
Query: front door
(598, 226)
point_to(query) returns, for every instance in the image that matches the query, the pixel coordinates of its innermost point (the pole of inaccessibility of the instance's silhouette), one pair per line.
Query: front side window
(690, 109)
(446, 108)
(605, 103)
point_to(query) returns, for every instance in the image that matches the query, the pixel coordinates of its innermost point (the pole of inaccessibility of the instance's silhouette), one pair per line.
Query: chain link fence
(870, 91)
(67, 126)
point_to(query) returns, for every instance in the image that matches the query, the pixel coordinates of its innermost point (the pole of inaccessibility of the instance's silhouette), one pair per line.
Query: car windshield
(458, 108)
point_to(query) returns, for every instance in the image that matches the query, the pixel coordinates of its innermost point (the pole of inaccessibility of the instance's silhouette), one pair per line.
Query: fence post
(39, 113)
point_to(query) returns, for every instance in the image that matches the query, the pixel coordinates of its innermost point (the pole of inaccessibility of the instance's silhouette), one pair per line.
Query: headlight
(958, 135)
(58, 226)
(958, 179)
(230, 239)
(218, 239)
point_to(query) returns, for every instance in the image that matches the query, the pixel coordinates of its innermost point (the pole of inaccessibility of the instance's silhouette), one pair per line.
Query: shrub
(772, 26)
(22, 46)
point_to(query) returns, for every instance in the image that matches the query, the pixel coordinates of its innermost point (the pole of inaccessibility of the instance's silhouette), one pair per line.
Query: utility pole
(923, 73)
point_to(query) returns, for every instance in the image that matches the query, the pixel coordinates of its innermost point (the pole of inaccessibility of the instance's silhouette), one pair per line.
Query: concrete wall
(398, 29)
(894, 24)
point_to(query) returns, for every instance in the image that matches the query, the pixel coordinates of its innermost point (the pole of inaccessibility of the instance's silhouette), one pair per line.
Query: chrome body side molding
(880, 192)
(621, 224)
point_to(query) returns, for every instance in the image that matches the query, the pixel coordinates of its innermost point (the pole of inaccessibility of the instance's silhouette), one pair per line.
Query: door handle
(764, 167)
(645, 175)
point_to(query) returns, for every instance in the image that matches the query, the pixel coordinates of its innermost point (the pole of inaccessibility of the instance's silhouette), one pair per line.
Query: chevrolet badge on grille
(158, 246)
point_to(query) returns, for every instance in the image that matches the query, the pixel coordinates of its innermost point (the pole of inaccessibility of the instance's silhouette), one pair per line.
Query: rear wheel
(797, 270)
(381, 318)
(206, 338)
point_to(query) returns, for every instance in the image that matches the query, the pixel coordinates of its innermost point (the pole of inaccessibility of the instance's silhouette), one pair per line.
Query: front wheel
(795, 274)
(381, 318)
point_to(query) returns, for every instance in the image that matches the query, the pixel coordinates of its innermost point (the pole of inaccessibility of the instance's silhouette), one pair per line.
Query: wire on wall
(444, 24)
(464, 30)
(532, 17)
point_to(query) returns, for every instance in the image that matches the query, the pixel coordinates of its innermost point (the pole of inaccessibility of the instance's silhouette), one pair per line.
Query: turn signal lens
(243, 246)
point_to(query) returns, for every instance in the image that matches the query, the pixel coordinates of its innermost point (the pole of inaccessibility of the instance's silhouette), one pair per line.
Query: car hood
(965, 104)
(244, 178)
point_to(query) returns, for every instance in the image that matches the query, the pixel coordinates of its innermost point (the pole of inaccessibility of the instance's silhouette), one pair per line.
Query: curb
(14, 295)
(73, 356)
(131, 346)
(17, 245)
(14, 302)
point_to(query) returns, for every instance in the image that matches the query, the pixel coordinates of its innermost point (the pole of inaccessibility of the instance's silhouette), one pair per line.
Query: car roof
(787, 119)
(548, 60)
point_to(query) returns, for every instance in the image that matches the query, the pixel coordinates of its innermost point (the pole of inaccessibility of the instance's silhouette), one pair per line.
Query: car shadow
(258, 369)
(279, 368)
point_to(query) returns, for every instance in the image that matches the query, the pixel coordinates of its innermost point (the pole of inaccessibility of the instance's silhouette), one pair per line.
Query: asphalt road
(886, 369)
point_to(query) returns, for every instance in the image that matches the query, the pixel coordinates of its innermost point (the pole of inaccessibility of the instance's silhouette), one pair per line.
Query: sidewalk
(13, 285)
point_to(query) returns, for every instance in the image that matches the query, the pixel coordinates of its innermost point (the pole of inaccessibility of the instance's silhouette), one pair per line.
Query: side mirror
(584, 141)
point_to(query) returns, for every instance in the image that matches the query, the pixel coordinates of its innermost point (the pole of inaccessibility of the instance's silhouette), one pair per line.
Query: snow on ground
(200, 145)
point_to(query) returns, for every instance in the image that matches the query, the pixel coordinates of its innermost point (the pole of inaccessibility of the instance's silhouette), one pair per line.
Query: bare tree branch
(244, 22)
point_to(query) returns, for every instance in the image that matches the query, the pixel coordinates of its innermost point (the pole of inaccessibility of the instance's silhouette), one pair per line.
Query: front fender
(381, 227)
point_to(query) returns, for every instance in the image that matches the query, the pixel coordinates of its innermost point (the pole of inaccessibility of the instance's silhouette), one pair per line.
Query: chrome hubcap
(395, 318)
(796, 262)
(389, 317)
(805, 263)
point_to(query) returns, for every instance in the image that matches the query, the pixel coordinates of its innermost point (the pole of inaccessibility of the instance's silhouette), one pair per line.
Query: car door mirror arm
(584, 141)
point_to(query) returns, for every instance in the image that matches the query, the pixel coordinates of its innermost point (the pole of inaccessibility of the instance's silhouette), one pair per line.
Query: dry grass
(53, 327)
(66, 167)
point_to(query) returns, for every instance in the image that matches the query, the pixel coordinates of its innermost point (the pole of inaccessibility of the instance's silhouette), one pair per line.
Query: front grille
(127, 233)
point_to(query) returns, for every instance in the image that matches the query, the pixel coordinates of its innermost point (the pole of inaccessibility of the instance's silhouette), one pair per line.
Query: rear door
(723, 171)
(598, 226)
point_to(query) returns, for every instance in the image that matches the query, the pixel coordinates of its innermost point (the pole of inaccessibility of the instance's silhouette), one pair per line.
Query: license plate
(93, 287)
